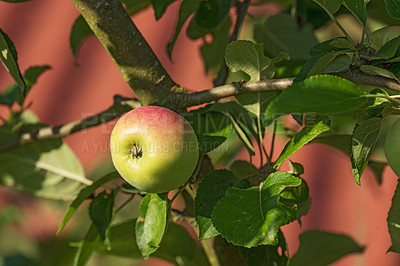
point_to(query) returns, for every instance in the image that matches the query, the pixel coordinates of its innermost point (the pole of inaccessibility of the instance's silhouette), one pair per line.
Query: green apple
(392, 147)
(154, 149)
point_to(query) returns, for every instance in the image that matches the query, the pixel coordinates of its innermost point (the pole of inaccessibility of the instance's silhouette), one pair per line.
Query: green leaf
(303, 137)
(9, 58)
(252, 217)
(358, 8)
(257, 103)
(331, 6)
(281, 33)
(86, 247)
(211, 189)
(212, 128)
(79, 32)
(160, 6)
(186, 9)
(340, 142)
(243, 169)
(327, 47)
(101, 212)
(134, 6)
(388, 50)
(211, 13)
(213, 52)
(242, 121)
(377, 168)
(339, 64)
(248, 57)
(377, 71)
(393, 221)
(83, 195)
(177, 246)
(316, 65)
(267, 255)
(363, 141)
(380, 37)
(9, 96)
(151, 222)
(393, 8)
(323, 94)
(322, 248)
(296, 169)
(30, 77)
(46, 168)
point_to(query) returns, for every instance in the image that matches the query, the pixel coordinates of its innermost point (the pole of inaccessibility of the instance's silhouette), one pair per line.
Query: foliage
(243, 206)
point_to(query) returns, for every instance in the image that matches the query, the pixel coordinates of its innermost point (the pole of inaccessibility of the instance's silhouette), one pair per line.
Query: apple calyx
(136, 151)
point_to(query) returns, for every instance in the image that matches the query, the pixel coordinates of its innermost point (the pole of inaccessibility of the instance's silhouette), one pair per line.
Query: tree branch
(131, 53)
(120, 106)
(365, 79)
(183, 100)
(214, 94)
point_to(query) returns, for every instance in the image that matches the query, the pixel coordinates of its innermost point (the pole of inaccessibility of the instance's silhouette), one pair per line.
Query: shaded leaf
(252, 217)
(382, 36)
(83, 195)
(267, 255)
(101, 212)
(331, 6)
(160, 6)
(388, 50)
(247, 57)
(280, 33)
(319, 248)
(79, 32)
(151, 222)
(86, 247)
(340, 142)
(46, 168)
(212, 12)
(393, 8)
(212, 128)
(363, 141)
(393, 221)
(9, 58)
(243, 169)
(186, 9)
(377, 168)
(211, 189)
(377, 71)
(339, 64)
(9, 96)
(177, 246)
(213, 52)
(358, 8)
(134, 6)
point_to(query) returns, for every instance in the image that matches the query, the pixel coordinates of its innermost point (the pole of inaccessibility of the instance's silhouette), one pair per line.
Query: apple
(392, 147)
(154, 149)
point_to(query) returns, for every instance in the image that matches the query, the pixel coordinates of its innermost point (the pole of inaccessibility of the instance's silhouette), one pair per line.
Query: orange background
(40, 31)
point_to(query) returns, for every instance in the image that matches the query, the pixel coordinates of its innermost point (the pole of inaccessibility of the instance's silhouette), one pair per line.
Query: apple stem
(136, 151)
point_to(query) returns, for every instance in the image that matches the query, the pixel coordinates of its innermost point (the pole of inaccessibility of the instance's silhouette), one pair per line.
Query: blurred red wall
(40, 31)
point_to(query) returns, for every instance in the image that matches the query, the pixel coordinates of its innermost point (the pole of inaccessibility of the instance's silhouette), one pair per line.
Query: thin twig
(241, 10)
(271, 152)
(125, 203)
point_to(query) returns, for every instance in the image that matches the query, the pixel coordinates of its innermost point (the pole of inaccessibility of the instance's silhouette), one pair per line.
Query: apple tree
(282, 71)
